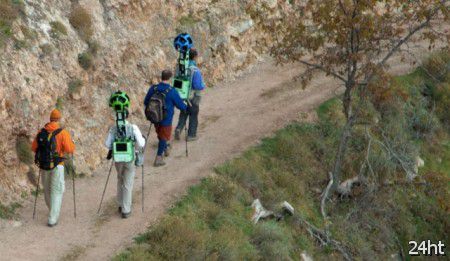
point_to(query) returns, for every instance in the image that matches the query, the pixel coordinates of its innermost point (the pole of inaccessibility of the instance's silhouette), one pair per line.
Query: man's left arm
(68, 145)
(197, 81)
(140, 141)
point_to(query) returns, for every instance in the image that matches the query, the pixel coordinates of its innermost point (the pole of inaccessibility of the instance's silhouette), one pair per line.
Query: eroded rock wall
(133, 38)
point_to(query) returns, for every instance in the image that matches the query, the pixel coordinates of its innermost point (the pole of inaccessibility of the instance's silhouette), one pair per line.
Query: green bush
(23, 150)
(85, 60)
(81, 20)
(58, 29)
(9, 212)
(74, 86)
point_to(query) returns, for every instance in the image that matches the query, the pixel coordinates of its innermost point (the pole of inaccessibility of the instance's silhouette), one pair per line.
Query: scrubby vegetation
(9, 212)
(74, 86)
(85, 60)
(81, 20)
(9, 11)
(375, 220)
(58, 29)
(46, 49)
(23, 150)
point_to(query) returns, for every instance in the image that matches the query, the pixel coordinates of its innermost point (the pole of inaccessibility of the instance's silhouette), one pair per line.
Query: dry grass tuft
(81, 20)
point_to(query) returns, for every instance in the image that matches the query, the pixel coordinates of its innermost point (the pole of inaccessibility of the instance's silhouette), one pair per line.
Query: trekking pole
(186, 139)
(37, 193)
(143, 154)
(186, 128)
(73, 190)
(104, 190)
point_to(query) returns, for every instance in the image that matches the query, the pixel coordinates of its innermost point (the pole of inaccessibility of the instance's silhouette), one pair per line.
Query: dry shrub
(81, 20)
(46, 49)
(177, 238)
(385, 91)
(9, 11)
(58, 29)
(230, 243)
(86, 60)
(442, 98)
(222, 191)
(23, 150)
(74, 86)
(272, 241)
(438, 65)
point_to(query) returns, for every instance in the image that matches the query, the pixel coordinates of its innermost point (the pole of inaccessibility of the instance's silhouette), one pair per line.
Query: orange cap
(55, 115)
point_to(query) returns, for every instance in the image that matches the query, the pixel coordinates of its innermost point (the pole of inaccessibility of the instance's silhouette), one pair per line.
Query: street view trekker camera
(182, 80)
(123, 146)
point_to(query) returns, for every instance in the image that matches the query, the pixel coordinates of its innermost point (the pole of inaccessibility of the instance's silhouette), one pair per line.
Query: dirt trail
(234, 116)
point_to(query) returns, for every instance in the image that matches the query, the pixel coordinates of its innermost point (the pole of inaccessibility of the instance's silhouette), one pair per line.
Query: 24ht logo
(426, 248)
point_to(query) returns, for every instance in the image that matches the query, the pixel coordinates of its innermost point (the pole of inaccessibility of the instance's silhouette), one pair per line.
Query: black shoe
(126, 215)
(52, 225)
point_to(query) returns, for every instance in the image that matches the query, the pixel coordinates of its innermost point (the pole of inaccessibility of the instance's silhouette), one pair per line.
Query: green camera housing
(123, 151)
(182, 85)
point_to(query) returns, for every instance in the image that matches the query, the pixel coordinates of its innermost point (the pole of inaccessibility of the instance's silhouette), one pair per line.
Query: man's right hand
(109, 156)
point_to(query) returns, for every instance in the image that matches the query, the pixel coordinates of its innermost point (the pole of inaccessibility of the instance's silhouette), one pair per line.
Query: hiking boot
(159, 161)
(167, 151)
(126, 215)
(177, 134)
(189, 138)
(52, 225)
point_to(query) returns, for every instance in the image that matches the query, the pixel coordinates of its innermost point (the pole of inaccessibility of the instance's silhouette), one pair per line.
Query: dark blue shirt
(172, 100)
(197, 79)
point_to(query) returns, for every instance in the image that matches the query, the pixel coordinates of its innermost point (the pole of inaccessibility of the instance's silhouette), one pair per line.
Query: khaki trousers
(53, 182)
(125, 180)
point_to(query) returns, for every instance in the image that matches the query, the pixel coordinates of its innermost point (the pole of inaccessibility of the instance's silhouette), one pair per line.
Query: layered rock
(133, 42)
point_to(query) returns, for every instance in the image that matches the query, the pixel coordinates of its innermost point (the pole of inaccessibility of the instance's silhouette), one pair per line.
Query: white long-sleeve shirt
(140, 141)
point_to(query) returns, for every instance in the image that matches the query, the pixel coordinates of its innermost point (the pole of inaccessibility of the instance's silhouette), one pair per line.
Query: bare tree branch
(323, 237)
(320, 67)
(325, 197)
(409, 35)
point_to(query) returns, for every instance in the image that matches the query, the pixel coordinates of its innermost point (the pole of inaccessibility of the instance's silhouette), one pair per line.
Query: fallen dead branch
(323, 237)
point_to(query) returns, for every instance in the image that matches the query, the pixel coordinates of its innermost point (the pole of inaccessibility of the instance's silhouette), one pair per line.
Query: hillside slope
(227, 113)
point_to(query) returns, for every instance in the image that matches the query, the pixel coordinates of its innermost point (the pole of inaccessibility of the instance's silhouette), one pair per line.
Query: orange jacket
(64, 143)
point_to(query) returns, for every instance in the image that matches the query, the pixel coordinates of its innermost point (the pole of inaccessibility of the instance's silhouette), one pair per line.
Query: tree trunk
(345, 137)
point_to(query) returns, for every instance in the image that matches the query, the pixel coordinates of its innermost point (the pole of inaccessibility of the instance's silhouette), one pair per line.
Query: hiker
(197, 87)
(50, 146)
(164, 96)
(123, 132)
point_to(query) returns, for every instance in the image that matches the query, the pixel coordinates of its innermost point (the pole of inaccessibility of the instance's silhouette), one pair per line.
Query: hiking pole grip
(37, 193)
(104, 189)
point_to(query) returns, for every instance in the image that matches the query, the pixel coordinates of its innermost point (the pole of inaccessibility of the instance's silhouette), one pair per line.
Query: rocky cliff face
(74, 54)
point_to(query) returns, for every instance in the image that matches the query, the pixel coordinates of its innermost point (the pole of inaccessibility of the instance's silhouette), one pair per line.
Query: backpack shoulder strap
(56, 132)
(168, 90)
